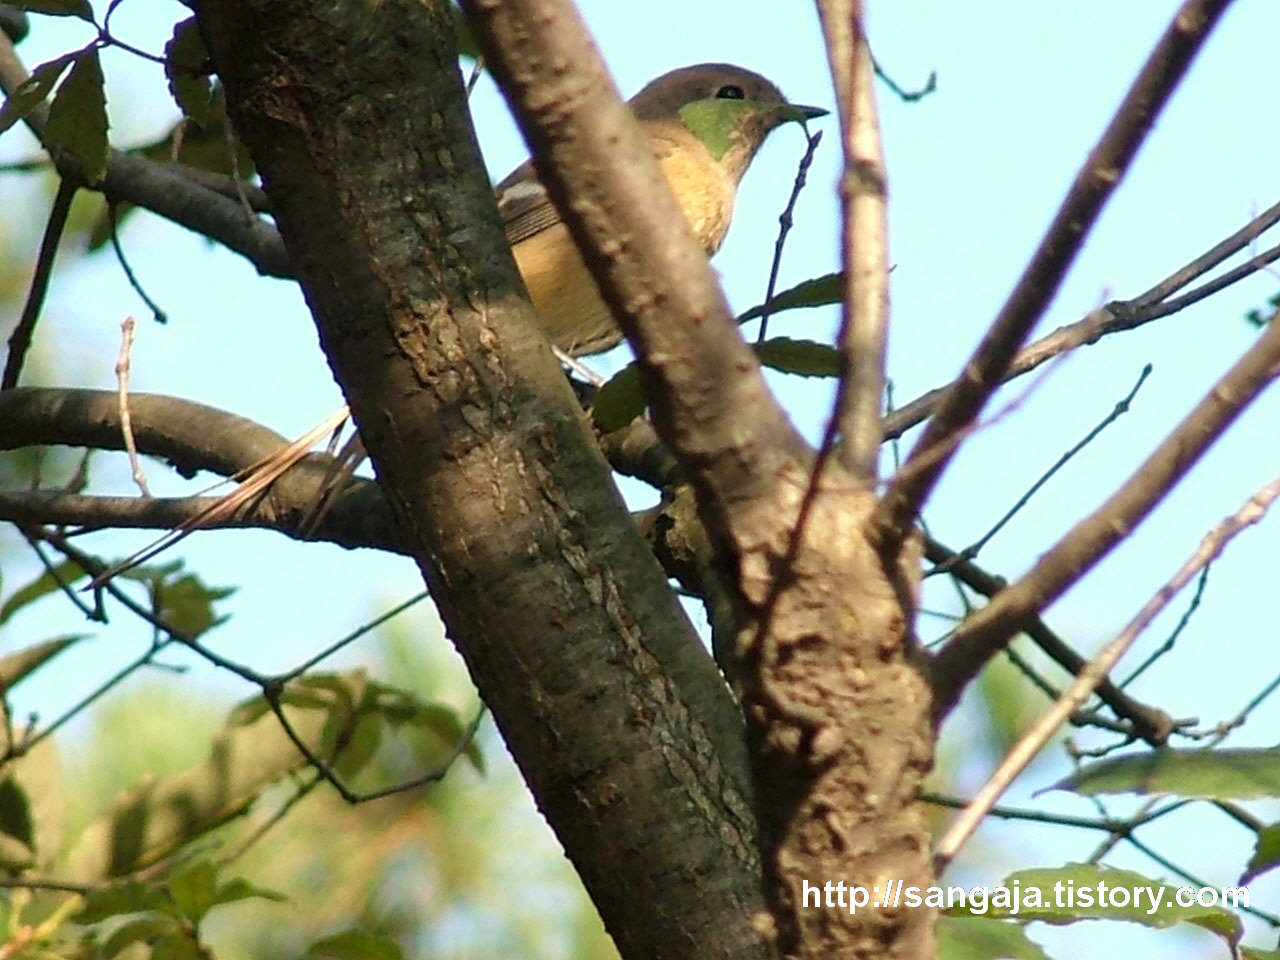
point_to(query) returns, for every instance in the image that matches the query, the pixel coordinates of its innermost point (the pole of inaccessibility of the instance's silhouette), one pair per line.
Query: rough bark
(620, 722)
(837, 705)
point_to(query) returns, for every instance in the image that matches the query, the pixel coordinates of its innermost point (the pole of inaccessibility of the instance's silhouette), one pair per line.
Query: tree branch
(160, 189)
(836, 705)
(1033, 741)
(986, 632)
(24, 331)
(192, 437)
(620, 722)
(1118, 316)
(865, 245)
(1147, 723)
(1095, 182)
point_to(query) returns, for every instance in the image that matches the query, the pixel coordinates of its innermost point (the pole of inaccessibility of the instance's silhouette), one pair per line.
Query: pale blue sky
(976, 171)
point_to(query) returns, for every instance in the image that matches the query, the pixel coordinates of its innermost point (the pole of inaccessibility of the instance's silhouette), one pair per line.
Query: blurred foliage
(187, 830)
(163, 822)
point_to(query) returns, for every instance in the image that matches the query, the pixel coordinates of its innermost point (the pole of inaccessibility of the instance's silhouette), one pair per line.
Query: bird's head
(730, 109)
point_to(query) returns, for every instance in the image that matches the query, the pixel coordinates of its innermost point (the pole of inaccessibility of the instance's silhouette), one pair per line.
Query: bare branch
(864, 245)
(122, 396)
(810, 597)
(1118, 316)
(1033, 741)
(192, 437)
(160, 189)
(24, 331)
(1148, 723)
(113, 233)
(1095, 182)
(989, 630)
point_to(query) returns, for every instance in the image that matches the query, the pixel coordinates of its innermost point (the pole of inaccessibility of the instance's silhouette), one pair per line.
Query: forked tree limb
(1094, 184)
(989, 630)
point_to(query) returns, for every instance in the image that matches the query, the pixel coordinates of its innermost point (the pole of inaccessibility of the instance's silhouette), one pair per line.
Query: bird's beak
(798, 113)
(809, 113)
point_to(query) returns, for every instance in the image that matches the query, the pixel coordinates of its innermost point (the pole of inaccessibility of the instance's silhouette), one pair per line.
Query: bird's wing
(524, 205)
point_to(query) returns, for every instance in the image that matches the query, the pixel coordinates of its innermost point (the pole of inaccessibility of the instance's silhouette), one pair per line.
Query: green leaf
(57, 8)
(186, 605)
(394, 703)
(22, 663)
(120, 898)
(177, 945)
(33, 90)
(356, 944)
(818, 292)
(194, 888)
(186, 65)
(15, 855)
(979, 938)
(1266, 853)
(240, 889)
(804, 358)
(158, 818)
(36, 776)
(247, 711)
(619, 401)
(144, 929)
(1236, 774)
(444, 725)
(48, 582)
(16, 823)
(360, 745)
(342, 689)
(1081, 891)
(78, 115)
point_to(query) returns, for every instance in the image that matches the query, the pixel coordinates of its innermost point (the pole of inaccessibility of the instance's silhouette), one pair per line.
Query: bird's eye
(730, 91)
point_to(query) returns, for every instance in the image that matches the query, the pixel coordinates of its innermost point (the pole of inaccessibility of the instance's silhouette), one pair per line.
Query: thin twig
(1148, 723)
(1122, 407)
(1094, 184)
(906, 96)
(354, 635)
(114, 233)
(325, 769)
(277, 815)
(64, 586)
(1033, 741)
(122, 392)
(1176, 632)
(786, 220)
(1237, 241)
(1116, 317)
(988, 630)
(1031, 816)
(24, 332)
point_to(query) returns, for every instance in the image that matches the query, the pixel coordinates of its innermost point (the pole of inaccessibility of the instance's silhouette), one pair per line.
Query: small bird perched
(705, 124)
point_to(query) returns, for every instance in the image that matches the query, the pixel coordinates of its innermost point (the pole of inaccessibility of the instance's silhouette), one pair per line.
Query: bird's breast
(704, 192)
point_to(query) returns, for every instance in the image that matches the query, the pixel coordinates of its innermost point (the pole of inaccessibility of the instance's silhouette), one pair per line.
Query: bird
(705, 124)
